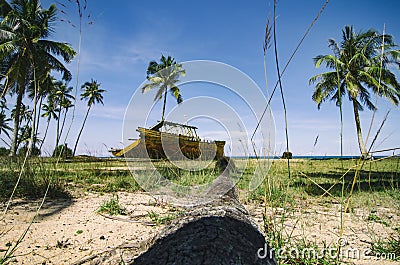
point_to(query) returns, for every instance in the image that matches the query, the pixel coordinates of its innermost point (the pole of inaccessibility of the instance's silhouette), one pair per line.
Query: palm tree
(4, 127)
(25, 121)
(50, 111)
(3, 102)
(93, 94)
(25, 135)
(25, 54)
(63, 98)
(66, 104)
(359, 65)
(164, 76)
(41, 89)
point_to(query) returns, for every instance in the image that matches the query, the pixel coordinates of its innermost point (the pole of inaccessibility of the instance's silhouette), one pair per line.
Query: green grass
(390, 247)
(323, 181)
(184, 174)
(160, 219)
(112, 207)
(378, 180)
(64, 177)
(35, 178)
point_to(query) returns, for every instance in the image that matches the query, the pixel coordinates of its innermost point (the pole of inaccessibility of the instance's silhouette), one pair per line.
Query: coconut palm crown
(164, 76)
(26, 53)
(360, 66)
(93, 94)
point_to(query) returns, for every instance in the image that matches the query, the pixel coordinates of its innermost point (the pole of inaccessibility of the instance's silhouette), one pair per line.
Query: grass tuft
(112, 207)
(161, 219)
(389, 248)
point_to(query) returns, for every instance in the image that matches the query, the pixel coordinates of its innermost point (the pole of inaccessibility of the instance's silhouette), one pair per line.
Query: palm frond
(57, 48)
(145, 88)
(176, 93)
(164, 75)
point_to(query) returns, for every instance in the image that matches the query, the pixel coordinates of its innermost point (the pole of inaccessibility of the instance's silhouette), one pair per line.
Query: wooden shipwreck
(173, 141)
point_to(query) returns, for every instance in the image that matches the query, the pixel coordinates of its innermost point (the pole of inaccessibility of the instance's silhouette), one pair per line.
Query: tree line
(29, 62)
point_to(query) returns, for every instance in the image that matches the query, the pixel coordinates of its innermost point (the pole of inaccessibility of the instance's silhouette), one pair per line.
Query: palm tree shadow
(30, 192)
(50, 207)
(54, 206)
(367, 181)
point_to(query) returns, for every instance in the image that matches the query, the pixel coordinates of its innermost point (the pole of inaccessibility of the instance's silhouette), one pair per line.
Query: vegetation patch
(160, 219)
(112, 207)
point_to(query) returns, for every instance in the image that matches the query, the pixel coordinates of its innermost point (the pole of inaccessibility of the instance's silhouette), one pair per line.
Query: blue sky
(119, 40)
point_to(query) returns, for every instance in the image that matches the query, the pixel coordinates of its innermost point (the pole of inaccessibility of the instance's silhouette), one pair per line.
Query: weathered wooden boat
(172, 141)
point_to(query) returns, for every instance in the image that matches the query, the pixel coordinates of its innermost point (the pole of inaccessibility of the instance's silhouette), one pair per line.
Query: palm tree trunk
(63, 122)
(80, 132)
(38, 119)
(45, 134)
(58, 128)
(165, 103)
(32, 142)
(20, 140)
(14, 141)
(361, 143)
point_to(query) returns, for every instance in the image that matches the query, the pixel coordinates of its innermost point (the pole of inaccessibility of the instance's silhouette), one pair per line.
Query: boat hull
(161, 145)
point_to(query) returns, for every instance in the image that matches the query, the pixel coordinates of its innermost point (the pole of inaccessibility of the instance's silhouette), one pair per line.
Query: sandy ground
(67, 231)
(70, 231)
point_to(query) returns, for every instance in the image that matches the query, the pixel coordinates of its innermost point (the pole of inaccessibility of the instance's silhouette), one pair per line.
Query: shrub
(287, 155)
(62, 151)
(34, 152)
(4, 151)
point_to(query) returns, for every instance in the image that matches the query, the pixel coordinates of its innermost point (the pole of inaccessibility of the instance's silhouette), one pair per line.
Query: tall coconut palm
(50, 112)
(41, 90)
(360, 65)
(4, 120)
(66, 105)
(3, 102)
(4, 127)
(25, 121)
(63, 98)
(25, 52)
(92, 94)
(164, 76)
(25, 135)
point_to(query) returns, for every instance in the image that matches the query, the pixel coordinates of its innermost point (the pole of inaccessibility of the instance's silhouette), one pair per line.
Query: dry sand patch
(68, 231)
